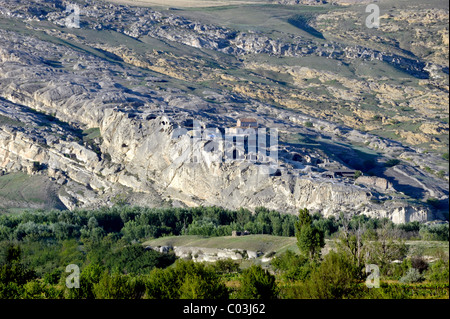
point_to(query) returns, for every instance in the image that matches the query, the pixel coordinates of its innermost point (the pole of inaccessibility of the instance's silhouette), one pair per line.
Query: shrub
(52, 277)
(292, 266)
(439, 271)
(134, 259)
(441, 173)
(187, 280)
(14, 270)
(89, 276)
(410, 226)
(435, 232)
(5, 232)
(397, 270)
(377, 117)
(257, 283)
(36, 289)
(417, 262)
(226, 266)
(116, 286)
(392, 162)
(335, 278)
(14, 274)
(202, 286)
(162, 284)
(10, 290)
(37, 167)
(412, 276)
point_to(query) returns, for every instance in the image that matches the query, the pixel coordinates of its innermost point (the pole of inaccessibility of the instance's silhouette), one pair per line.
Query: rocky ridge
(138, 151)
(137, 22)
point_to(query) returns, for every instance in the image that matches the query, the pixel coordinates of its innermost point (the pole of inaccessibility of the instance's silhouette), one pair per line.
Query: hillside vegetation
(110, 248)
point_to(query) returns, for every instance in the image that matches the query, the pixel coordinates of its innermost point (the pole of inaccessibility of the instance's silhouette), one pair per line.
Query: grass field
(19, 190)
(277, 244)
(263, 243)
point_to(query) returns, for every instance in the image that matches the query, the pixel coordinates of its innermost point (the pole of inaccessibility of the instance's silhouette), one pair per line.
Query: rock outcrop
(158, 140)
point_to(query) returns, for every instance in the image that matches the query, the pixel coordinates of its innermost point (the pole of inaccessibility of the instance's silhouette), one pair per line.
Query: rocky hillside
(135, 104)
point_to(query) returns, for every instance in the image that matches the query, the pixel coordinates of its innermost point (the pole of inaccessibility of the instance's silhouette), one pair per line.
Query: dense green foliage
(36, 247)
(137, 223)
(187, 280)
(291, 266)
(14, 274)
(257, 283)
(336, 277)
(434, 232)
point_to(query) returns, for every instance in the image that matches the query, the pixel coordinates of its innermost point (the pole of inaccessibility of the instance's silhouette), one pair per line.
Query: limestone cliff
(106, 128)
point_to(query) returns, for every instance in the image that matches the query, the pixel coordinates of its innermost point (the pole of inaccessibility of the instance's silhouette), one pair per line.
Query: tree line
(139, 223)
(136, 223)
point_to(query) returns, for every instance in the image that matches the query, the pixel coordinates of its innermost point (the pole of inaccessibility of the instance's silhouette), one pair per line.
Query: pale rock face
(141, 156)
(156, 160)
(378, 182)
(233, 185)
(406, 214)
(200, 254)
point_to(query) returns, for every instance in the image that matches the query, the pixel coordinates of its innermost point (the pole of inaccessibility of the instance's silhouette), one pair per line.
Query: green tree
(336, 277)
(186, 280)
(89, 276)
(199, 281)
(135, 259)
(310, 239)
(412, 276)
(14, 274)
(434, 232)
(392, 162)
(385, 247)
(204, 285)
(226, 266)
(36, 289)
(351, 238)
(13, 270)
(257, 283)
(5, 232)
(118, 286)
(162, 284)
(277, 229)
(439, 271)
(292, 266)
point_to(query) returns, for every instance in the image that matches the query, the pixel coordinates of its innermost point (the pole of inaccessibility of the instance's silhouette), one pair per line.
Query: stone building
(247, 123)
